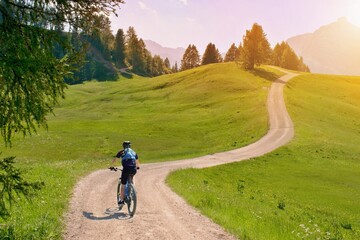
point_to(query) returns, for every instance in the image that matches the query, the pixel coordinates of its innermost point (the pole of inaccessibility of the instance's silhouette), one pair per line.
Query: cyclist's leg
(132, 173)
(124, 177)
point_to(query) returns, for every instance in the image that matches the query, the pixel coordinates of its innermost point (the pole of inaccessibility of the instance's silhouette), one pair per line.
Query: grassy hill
(309, 189)
(200, 111)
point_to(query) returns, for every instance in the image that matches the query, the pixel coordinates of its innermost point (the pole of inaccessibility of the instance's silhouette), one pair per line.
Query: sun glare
(354, 14)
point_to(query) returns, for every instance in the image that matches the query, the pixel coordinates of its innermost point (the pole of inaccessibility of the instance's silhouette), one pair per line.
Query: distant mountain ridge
(332, 49)
(173, 54)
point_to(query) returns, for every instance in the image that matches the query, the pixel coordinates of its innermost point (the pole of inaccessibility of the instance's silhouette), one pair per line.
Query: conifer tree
(99, 43)
(231, 54)
(167, 63)
(303, 67)
(238, 54)
(175, 68)
(285, 57)
(167, 66)
(143, 53)
(119, 49)
(191, 58)
(157, 66)
(136, 53)
(277, 53)
(148, 64)
(256, 48)
(211, 55)
(289, 60)
(219, 57)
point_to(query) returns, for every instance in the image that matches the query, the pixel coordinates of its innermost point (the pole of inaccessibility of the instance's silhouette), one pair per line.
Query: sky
(178, 23)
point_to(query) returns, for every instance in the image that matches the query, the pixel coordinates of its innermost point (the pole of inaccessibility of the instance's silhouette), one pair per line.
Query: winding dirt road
(161, 213)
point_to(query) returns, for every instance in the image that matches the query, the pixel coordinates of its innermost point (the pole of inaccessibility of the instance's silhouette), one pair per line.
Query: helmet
(126, 144)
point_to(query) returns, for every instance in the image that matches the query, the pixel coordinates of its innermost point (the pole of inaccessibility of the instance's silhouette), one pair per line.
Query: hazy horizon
(177, 23)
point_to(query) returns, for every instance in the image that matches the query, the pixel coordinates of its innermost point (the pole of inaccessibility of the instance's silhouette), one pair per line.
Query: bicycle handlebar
(115, 169)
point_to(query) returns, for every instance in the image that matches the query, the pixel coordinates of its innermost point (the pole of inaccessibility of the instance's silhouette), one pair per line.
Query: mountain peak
(173, 54)
(333, 48)
(343, 20)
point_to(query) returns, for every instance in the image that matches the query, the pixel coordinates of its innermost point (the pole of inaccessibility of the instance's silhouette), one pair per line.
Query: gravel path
(161, 214)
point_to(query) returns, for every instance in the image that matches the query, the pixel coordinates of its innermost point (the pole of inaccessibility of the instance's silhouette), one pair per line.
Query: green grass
(192, 113)
(309, 189)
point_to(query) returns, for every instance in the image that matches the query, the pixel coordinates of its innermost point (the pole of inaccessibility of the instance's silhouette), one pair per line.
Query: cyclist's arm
(117, 157)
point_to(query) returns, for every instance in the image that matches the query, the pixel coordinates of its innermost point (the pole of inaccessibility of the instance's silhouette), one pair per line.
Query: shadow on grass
(109, 214)
(126, 75)
(102, 78)
(270, 76)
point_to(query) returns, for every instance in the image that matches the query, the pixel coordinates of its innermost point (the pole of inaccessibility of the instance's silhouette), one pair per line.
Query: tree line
(106, 55)
(253, 51)
(127, 50)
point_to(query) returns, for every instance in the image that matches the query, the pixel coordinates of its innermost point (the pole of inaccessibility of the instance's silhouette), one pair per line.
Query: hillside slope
(149, 111)
(193, 113)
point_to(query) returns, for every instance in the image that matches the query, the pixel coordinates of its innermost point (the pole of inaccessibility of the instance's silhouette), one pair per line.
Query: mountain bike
(130, 193)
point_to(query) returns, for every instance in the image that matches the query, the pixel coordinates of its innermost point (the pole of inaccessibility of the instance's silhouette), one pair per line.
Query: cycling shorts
(126, 172)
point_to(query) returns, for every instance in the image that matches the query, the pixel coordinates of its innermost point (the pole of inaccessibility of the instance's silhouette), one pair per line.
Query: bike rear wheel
(131, 200)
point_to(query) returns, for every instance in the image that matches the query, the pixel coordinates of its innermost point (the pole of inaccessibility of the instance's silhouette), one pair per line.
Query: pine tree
(148, 64)
(167, 66)
(211, 55)
(175, 68)
(136, 53)
(219, 57)
(303, 67)
(285, 57)
(231, 54)
(277, 53)
(256, 48)
(289, 60)
(143, 53)
(101, 36)
(157, 66)
(119, 49)
(238, 54)
(167, 63)
(191, 58)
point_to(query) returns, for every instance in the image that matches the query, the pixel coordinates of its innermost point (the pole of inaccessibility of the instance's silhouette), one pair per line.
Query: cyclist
(130, 162)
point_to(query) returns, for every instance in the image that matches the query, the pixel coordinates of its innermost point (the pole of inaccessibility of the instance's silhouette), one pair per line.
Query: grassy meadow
(308, 189)
(192, 113)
